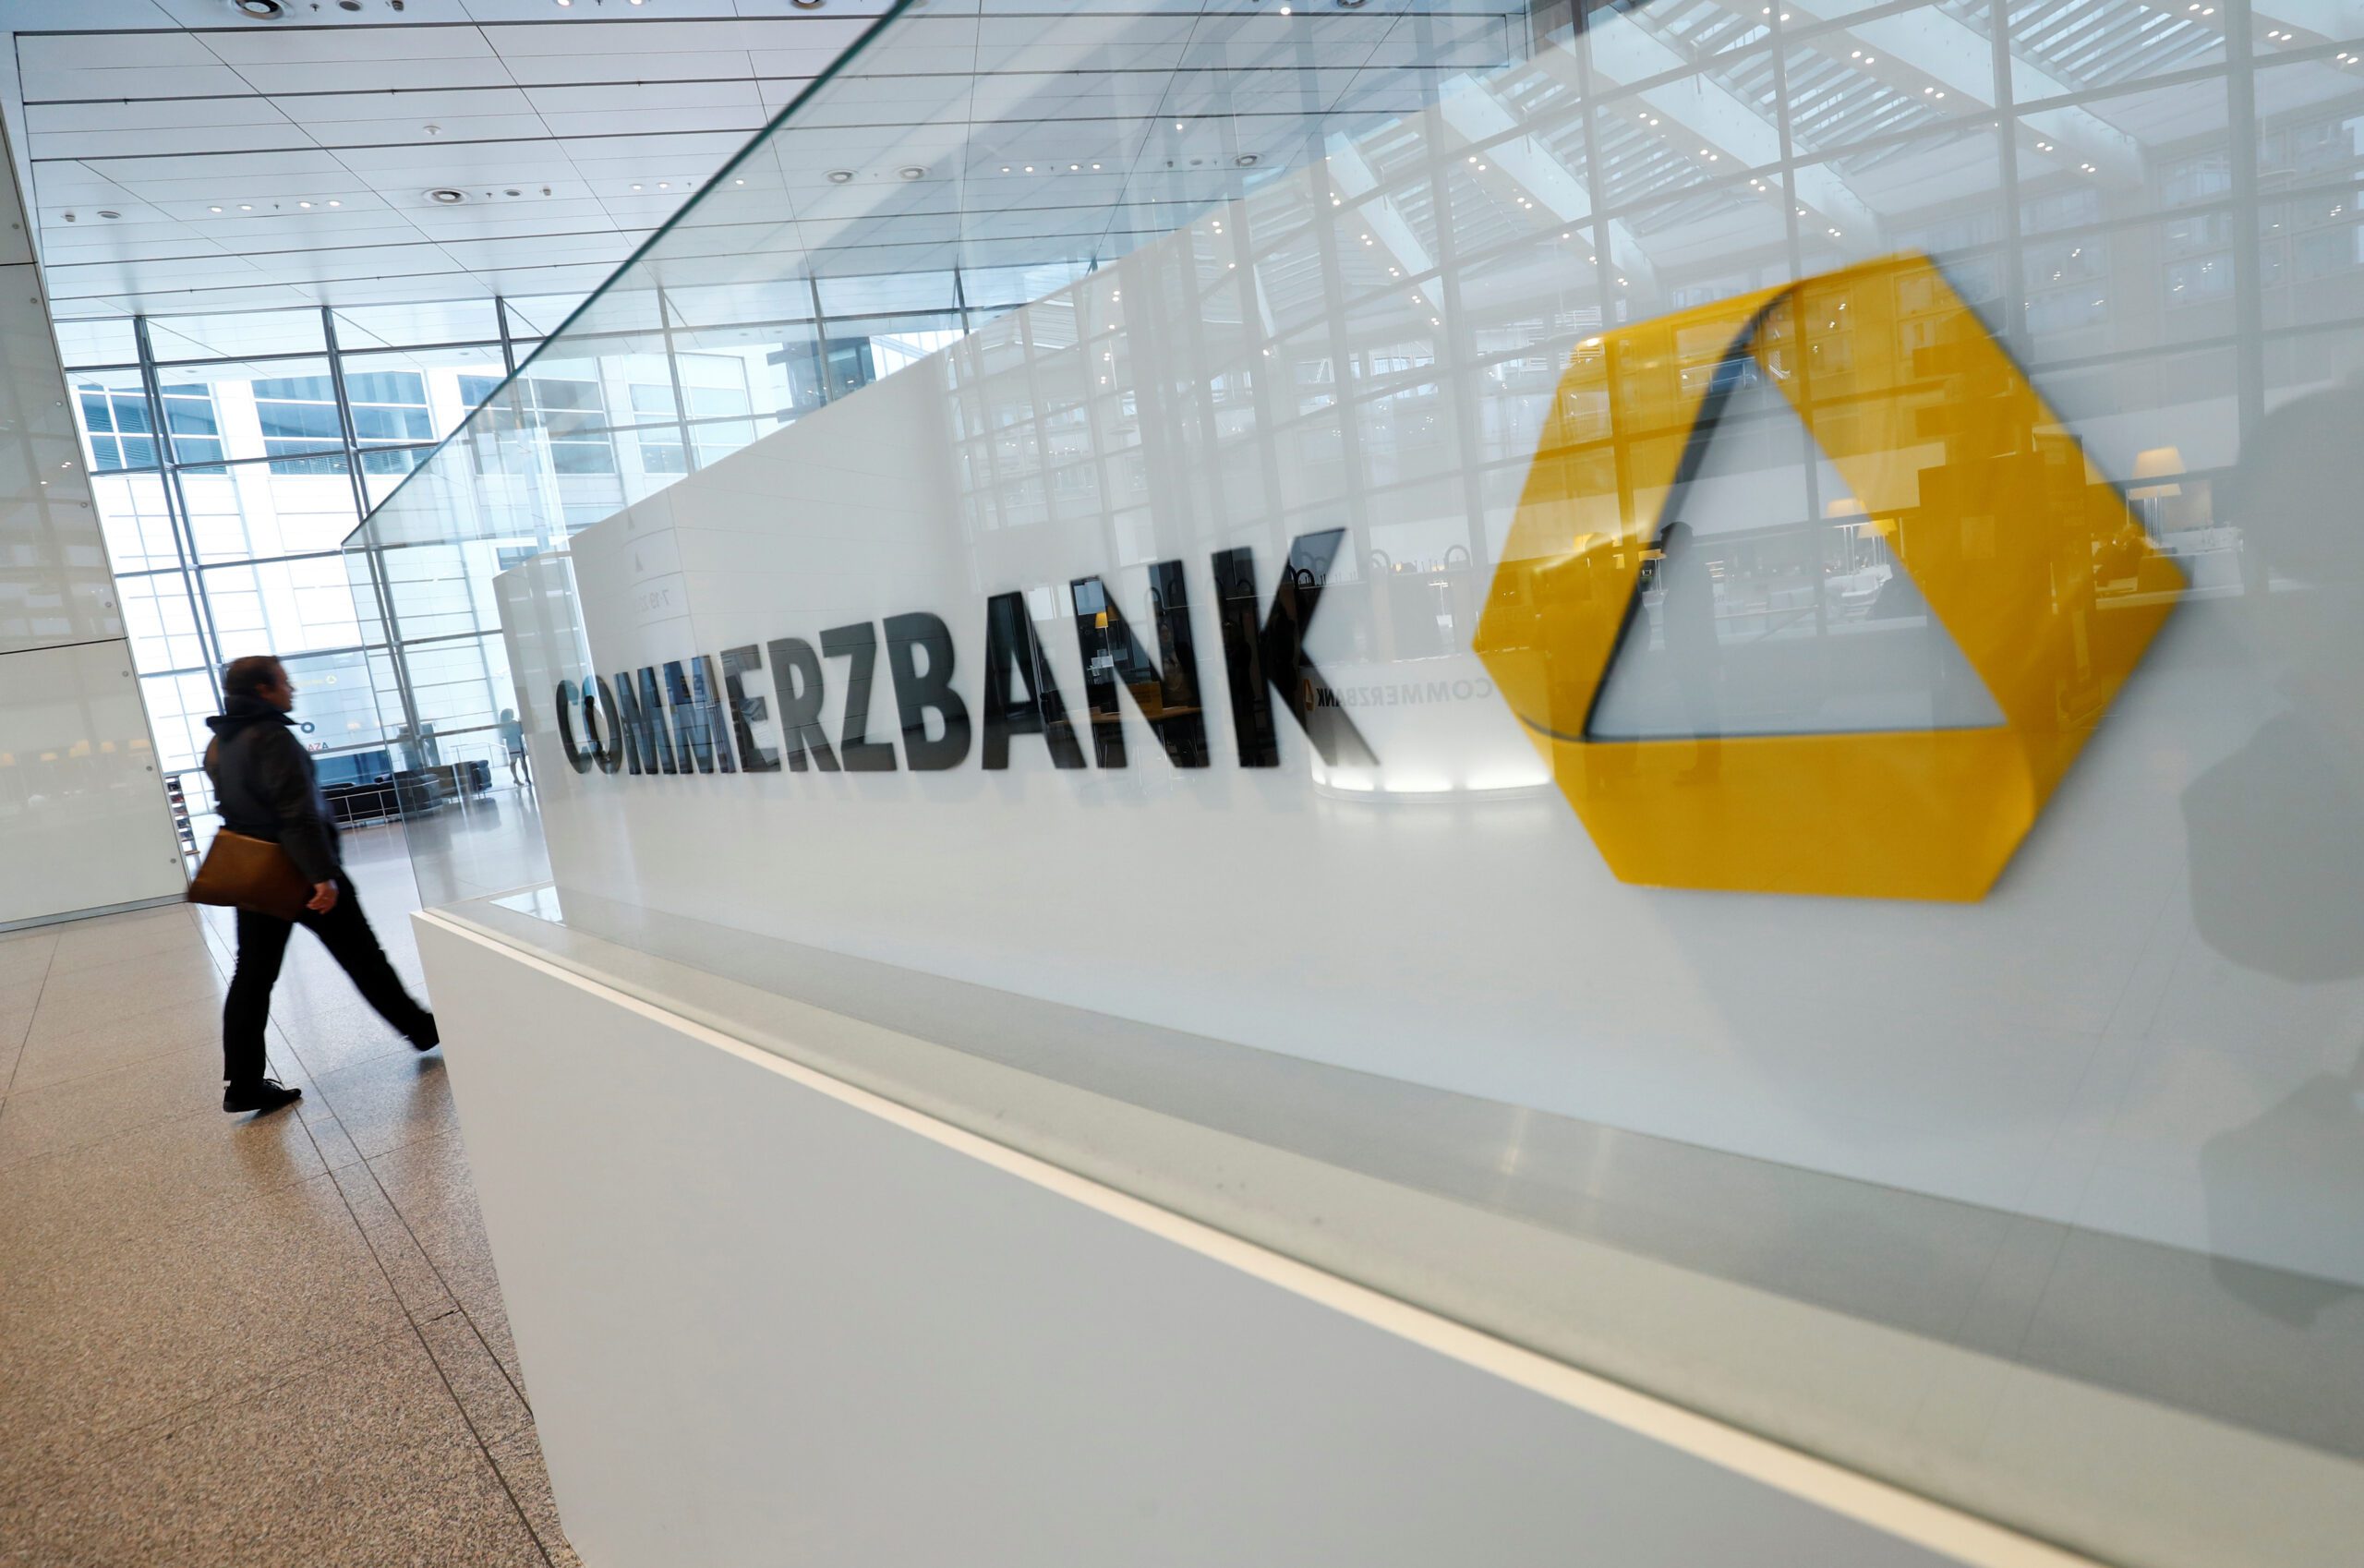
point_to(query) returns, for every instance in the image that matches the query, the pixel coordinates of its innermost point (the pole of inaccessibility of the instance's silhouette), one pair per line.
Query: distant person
(512, 741)
(265, 787)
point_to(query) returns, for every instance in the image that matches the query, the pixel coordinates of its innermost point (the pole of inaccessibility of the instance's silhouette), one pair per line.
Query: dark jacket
(265, 785)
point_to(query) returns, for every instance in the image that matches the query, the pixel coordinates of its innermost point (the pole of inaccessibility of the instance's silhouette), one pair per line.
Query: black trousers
(262, 944)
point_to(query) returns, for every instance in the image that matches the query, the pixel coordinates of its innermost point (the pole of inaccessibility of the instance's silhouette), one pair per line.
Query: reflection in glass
(1773, 605)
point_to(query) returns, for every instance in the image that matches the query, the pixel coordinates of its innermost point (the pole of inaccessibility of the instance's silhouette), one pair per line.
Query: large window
(228, 536)
(281, 428)
(123, 434)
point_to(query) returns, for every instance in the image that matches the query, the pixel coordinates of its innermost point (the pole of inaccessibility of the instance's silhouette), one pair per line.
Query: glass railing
(1677, 685)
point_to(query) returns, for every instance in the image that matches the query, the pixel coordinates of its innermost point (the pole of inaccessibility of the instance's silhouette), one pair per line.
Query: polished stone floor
(231, 1340)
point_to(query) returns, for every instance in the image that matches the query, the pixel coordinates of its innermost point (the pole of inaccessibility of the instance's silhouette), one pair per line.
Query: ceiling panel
(334, 111)
(162, 111)
(621, 41)
(375, 77)
(141, 81)
(47, 53)
(283, 45)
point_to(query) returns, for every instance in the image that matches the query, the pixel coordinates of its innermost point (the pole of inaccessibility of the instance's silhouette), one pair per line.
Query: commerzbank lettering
(698, 714)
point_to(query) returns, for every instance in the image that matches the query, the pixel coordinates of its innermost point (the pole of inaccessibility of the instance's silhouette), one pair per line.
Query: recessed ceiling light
(304, 204)
(843, 176)
(563, 4)
(261, 10)
(1245, 160)
(213, 208)
(664, 185)
(333, 202)
(635, 188)
(913, 171)
(738, 182)
(246, 206)
(446, 197)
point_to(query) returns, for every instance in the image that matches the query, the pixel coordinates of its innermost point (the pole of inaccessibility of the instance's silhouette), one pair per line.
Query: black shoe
(264, 1094)
(426, 1037)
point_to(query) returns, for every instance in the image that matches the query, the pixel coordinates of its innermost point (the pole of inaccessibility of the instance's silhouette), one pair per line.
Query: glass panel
(245, 510)
(735, 305)
(2145, 286)
(859, 352)
(118, 429)
(137, 521)
(1787, 628)
(178, 706)
(264, 409)
(283, 606)
(456, 683)
(336, 713)
(440, 591)
(887, 294)
(776, 366)
(999, 288)
(160, 619)
(383, 468)
(418, 394)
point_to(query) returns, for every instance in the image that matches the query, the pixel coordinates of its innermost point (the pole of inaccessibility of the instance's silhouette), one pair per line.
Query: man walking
(265, 787)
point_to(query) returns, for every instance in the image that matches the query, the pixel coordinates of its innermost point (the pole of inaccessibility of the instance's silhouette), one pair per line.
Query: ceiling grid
(182, 158)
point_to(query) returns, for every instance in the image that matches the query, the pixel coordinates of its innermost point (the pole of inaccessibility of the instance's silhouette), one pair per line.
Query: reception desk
(768, 1316)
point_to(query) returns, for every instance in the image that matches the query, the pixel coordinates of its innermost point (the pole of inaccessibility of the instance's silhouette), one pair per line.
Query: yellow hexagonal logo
(2024, 554)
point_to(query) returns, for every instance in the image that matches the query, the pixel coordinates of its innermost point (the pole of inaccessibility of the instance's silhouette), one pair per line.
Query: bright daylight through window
(280, 428)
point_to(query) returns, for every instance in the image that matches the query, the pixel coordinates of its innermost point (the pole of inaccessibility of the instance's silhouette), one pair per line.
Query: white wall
(769, 1319)
(83, 819)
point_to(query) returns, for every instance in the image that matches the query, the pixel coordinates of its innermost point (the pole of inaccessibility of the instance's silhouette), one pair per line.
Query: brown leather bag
(251, 874)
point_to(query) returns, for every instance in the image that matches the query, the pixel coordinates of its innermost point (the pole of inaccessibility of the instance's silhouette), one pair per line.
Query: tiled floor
(236, 1340)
